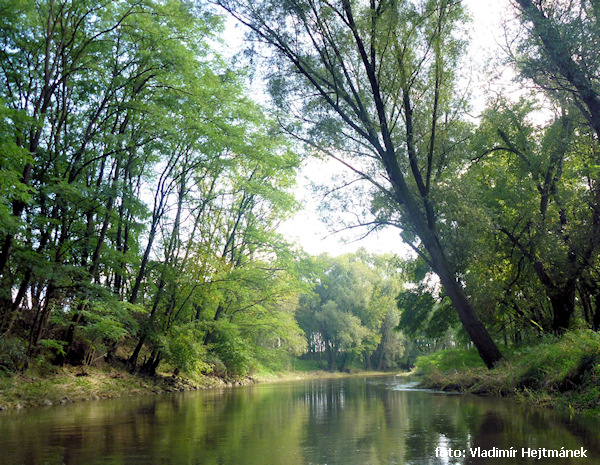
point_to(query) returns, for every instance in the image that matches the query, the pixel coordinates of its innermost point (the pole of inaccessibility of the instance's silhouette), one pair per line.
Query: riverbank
(562, 372)
(68, 384)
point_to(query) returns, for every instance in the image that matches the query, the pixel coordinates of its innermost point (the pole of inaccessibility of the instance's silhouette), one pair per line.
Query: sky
(305, 228)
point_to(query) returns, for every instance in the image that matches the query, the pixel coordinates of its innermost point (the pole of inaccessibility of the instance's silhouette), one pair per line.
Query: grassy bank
(65, 385)
(562, 372)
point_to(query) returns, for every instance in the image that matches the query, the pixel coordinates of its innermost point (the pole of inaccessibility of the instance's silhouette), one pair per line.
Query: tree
(530, 187)
(351, 311)
(140, 188)
(559, 53)
(214, 265)
(374, 85)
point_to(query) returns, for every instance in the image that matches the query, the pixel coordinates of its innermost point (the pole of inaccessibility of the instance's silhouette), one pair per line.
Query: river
(356, 420)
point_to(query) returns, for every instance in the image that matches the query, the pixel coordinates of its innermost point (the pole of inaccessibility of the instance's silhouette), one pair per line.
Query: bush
(216, 366)
(233, 353)
(184, 350)
(13, 355)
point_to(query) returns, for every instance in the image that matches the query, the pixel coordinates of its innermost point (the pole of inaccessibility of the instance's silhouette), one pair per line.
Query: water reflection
(347, 421)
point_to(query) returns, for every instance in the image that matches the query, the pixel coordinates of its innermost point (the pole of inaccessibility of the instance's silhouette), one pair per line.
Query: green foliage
(108, 322)
(448, 360)
(232, 351)
(533, 239)
(345, 316)
(299, 364)
(423, 316)
(185, 351)
(12, 355)
(558, 53)
(374, 87)
(53, 345)
(12, 160)
(140, 189)
(342, 329)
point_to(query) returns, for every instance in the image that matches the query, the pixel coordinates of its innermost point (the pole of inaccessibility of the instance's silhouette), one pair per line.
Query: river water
(358, 420)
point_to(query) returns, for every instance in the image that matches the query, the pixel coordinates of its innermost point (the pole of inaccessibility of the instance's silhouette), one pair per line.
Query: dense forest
(142, 187)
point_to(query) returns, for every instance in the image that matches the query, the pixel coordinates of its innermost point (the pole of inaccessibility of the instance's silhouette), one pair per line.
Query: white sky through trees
(485, 52)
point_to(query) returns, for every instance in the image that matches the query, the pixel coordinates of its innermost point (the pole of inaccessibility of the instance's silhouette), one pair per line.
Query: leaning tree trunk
(563, 62)
(425, 229)
(487, 348)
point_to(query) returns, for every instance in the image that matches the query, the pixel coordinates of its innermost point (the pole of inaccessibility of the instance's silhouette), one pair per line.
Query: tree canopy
(142, 187)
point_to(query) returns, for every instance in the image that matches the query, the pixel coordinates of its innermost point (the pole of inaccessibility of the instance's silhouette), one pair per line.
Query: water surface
(381, 420)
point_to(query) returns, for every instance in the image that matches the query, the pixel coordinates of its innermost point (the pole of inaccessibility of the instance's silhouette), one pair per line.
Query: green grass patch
(558, 371)
(448, 360)
(306, 365)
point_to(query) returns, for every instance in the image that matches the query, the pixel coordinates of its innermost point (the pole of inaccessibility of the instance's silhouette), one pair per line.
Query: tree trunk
(381, 359)
(210, 335)
(132, 362)
(331, 352)
(488, 351)
(487, 348)
(151, 365)
(563, 306)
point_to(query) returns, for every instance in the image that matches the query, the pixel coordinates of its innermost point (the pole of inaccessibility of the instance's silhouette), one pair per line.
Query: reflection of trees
(353, 422)
(492, 432)
(503, 428)
(438, 421)
(347, 421)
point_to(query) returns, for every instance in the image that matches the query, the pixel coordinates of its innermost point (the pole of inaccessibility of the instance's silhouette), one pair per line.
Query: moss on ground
(562, 372)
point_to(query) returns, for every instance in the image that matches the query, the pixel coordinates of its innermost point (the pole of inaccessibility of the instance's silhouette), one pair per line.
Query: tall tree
(560, 52)
(533, 197)
(374, 84)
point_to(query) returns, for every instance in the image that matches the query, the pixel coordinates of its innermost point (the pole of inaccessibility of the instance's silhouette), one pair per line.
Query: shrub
(13, 355)
(184, 350)
(234, 354)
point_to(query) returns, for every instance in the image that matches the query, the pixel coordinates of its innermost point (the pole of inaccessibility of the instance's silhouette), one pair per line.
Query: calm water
(343, 421)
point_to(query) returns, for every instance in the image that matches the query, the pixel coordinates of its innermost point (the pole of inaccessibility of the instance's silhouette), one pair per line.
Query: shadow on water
(343, 421)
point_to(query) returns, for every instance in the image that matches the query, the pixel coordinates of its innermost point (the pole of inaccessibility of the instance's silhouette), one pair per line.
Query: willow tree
(559, 53)
(374, 85)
